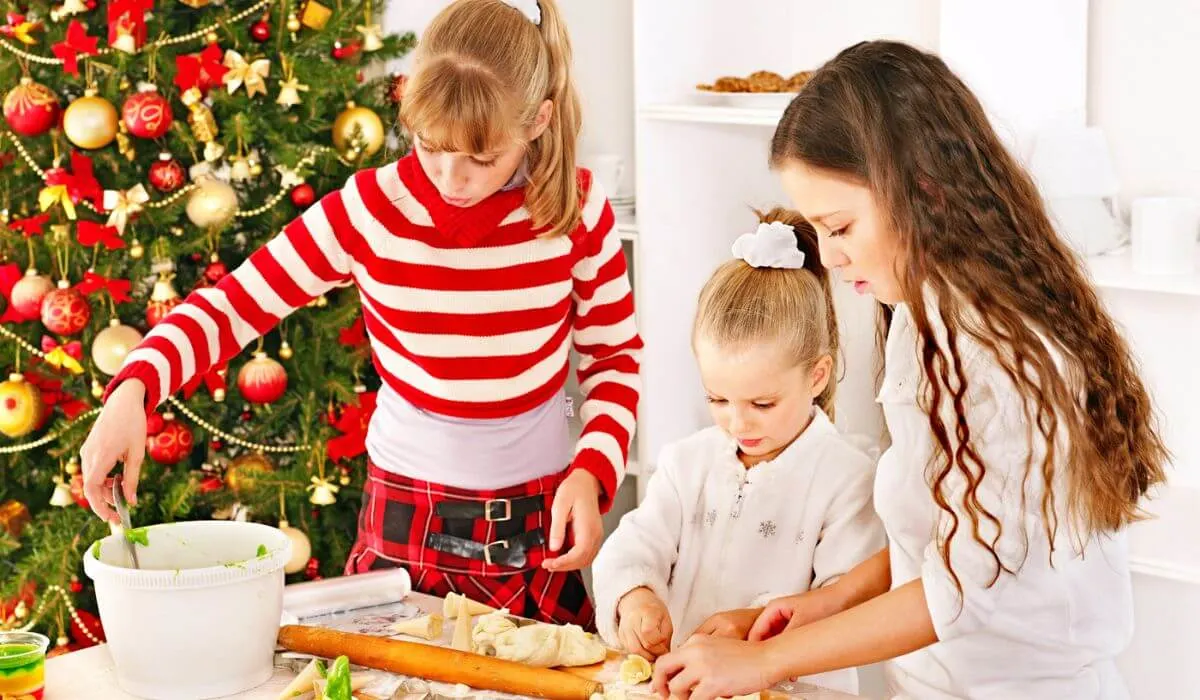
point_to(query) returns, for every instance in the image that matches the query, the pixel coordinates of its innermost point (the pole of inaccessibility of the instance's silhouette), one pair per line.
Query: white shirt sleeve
(1004, 440)
(852, 532)
(642, 550)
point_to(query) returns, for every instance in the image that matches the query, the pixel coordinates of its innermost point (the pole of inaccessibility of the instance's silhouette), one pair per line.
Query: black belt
(494, 510)
(509, 552)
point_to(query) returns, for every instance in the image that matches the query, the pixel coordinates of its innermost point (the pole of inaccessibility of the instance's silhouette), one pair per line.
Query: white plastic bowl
(200, 618)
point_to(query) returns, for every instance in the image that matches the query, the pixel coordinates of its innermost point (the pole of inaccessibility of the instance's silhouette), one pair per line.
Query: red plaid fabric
(398, 514)
(559, 597)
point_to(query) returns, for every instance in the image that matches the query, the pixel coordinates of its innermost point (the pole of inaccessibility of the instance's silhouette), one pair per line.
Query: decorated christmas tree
(145, 152)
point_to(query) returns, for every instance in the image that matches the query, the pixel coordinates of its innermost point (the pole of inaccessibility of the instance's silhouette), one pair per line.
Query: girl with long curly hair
(1022, 436)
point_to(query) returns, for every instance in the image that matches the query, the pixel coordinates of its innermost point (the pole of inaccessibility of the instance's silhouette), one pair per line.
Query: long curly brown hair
(976, 234)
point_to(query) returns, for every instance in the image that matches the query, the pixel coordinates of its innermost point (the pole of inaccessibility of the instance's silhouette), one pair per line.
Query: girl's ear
(541, 121)
(821, 374)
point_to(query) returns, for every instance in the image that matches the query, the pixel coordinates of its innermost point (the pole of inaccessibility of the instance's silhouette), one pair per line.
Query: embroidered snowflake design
(710, 518)
(800, 537)
(767, 528)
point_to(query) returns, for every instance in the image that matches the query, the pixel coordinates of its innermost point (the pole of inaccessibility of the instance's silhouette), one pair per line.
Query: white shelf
(627, 230)
(1115, 271)
(712, 114)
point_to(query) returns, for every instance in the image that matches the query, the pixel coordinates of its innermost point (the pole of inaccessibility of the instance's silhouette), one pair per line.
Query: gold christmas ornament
(112, 345)
(200, 117)
(136, 251)
(211, 37)
(73, 466)
(240, 474)
(358, 128)
(90, 122)
(323, 491)
(196, 4)
(20, 406)
(61, 498)
(212, 204)
(253, 73)
(97, 389)
(314, 15)
(293, 23)
(371, 40)
(301, 548)
(285, 350)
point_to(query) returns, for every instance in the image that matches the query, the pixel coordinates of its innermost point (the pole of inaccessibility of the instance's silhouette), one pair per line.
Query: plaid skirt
(486, 545)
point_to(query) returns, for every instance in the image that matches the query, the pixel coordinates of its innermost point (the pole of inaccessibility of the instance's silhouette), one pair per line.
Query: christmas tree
(145, 152)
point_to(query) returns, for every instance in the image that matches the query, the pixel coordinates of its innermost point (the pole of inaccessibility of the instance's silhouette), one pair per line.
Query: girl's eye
(484, 163)
(715, 400)
(764, 406)
(839, 232)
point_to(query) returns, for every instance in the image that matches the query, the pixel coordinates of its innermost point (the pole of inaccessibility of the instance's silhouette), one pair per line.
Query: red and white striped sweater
(470, 313)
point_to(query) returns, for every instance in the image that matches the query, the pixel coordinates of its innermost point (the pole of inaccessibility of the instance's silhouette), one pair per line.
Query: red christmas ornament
(313, 569)
(76, 585)
(77, 492)
(166, 174)
(65, 311)
(31, 109)
(343, 51)
(359, 76)
(303, 195)
(216, 444)
(211, 483)
(172, 444)
(163, 298)
(147, 114)
(154, 424)
(260, 31)
(246, 416)
(86, 629)
(215, 270)
(262, 380)
(28, 293)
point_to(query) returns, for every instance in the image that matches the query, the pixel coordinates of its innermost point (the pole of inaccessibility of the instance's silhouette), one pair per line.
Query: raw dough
(453, 604)
(462, 627)
(483, 638)
(537, 643)
(635, 669)
(548, 646)
(425, 627)
(751, 696)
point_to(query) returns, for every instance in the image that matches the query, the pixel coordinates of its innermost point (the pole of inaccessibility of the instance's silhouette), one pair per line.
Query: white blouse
(712, 535)
(1049, 632)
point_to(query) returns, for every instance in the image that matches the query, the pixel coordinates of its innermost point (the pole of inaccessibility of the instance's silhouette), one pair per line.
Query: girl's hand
(794, 611)
(731, 624)
(577, 502)
(118, 434)
(712, 667)
(644, 624)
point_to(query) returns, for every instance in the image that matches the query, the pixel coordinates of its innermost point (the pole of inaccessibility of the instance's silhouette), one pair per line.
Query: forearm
(886, 626)
(870, 579)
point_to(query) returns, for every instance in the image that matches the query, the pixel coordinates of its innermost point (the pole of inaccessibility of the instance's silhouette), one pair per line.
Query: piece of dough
(302, 683)
(547, 646)
(427, 627)
(462, 627)
(635, 669)
(751, 696)
(451, 606)
(487, 628)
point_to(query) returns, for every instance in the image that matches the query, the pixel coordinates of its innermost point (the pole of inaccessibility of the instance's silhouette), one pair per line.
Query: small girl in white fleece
(772, 500)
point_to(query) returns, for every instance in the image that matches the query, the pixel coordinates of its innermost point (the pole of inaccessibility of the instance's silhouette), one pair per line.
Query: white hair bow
(772, 245)
(529, 8)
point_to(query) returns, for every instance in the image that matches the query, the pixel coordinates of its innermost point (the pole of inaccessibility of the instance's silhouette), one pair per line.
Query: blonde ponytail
(483, 70)
(742, 305)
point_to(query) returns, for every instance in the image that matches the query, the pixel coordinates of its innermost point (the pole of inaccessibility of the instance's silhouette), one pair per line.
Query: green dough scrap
(338, 680)
(96, 550)
(262, 551)
(138, 535)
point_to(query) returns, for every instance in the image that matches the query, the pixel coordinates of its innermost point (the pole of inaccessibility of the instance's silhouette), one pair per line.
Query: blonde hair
(483, 70)
(743, 305)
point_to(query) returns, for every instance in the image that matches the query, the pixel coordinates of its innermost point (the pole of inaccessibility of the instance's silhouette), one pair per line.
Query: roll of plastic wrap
(334, 595)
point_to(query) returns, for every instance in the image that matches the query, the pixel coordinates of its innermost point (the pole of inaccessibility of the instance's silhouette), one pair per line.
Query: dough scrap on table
(462, 627)
(428, 627)
(453, 603)
(635, 669)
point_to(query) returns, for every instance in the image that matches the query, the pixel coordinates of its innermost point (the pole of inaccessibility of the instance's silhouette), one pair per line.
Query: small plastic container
(22, 664)
(200, 617)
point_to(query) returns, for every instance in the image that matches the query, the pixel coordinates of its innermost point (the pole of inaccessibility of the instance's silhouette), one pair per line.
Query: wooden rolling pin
(437, 663)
